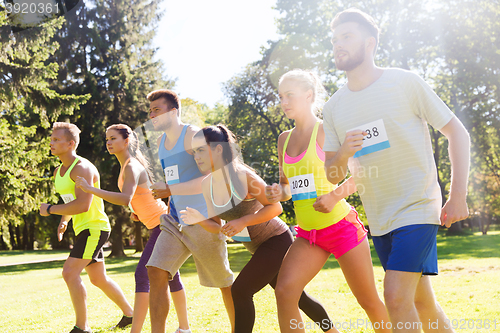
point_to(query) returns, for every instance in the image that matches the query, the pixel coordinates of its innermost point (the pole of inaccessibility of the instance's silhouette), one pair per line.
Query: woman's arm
(192, 216)
(256, 189)
(281, 191)
(325, 203)
(130, 180)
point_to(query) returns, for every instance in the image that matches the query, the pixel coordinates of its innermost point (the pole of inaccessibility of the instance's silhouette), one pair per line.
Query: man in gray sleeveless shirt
(377, 124)
(177, 241)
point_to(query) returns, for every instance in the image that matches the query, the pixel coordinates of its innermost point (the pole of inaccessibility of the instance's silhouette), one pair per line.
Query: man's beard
(353, 62)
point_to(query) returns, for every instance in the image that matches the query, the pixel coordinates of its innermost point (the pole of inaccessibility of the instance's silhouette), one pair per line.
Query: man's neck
(174, 131)
(363, 76)
(68, 158)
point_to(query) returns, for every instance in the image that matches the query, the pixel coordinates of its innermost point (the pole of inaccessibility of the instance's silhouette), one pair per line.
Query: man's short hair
(365, 21)
(170, 97)
(71, 131)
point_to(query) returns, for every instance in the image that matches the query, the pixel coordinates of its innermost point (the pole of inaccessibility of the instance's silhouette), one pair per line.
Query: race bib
(172, 174)
(67, 197)
(376, 139)
(242, 236)
(302, 187)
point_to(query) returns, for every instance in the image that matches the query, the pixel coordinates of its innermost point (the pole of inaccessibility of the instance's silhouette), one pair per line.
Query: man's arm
(455, 208)
(83, 200)
(336, 162)
(63, 225)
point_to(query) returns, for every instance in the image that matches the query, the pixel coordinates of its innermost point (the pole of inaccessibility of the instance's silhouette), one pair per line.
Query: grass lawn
(34, 297)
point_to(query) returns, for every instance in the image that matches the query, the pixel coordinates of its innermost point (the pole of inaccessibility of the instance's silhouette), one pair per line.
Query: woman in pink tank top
(327, 224)
(134, 181)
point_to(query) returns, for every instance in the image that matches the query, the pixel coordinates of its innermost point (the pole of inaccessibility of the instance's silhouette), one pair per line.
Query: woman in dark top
(235, 193)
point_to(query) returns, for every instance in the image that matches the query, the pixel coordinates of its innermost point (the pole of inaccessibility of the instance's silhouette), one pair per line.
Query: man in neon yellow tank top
(90, 223)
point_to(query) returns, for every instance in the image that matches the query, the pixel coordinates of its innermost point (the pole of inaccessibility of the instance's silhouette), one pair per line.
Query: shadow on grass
(31, 267)
(468, 246)
(13, 253)
(449, 247)
(238, 258)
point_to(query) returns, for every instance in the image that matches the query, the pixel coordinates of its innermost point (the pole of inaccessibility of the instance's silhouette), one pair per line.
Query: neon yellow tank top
(307, 179)
(95, 217)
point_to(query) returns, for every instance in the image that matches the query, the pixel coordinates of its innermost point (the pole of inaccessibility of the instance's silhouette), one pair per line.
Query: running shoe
(180, 330)
(124, 322)
(77, 329)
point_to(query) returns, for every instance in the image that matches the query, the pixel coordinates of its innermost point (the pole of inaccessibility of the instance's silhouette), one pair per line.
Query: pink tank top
(143, 204)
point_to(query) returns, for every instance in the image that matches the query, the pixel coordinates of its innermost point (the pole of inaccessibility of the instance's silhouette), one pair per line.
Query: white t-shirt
(395, 173)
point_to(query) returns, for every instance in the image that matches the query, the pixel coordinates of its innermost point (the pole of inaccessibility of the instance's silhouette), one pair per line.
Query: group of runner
(377, 121)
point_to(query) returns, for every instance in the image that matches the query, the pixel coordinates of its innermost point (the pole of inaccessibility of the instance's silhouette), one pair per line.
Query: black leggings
(261, 270)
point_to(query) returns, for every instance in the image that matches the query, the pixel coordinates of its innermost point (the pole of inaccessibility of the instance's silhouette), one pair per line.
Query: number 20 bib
(302, 187)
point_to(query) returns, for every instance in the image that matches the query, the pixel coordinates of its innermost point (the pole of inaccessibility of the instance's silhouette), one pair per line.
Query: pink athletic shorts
(338, 238)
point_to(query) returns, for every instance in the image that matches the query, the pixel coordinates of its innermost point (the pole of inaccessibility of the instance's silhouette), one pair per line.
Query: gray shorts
(175, 245)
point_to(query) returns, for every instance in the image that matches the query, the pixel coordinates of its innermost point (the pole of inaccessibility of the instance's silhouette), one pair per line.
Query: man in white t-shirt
(376, 125)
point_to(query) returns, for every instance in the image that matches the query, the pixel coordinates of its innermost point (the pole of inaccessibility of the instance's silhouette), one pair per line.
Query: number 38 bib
(303, 187)
(375, 140)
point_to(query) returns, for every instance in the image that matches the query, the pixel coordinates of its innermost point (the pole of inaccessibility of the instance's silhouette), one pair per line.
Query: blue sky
(204, 43)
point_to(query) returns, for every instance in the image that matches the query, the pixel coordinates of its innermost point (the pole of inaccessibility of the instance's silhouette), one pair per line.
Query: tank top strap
(231, 195)
(286, 145)
(212, 191)
(68, 172)
(179, 145)
(311, 148)
(162, 141)
(233, 191)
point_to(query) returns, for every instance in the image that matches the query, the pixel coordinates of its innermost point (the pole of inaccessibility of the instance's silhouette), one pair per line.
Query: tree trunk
(139, 245)
(3, 245)
(25, 233)
(455, 229)
(486, 220)
(12, 234)
(18, 238)
(117, 249)
(28, 232)
(32, 231)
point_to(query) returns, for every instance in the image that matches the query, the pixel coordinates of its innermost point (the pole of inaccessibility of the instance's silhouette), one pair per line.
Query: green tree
(468, 80)
(254, 116)
(28, 106)
(107, 52)
(453, 44)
